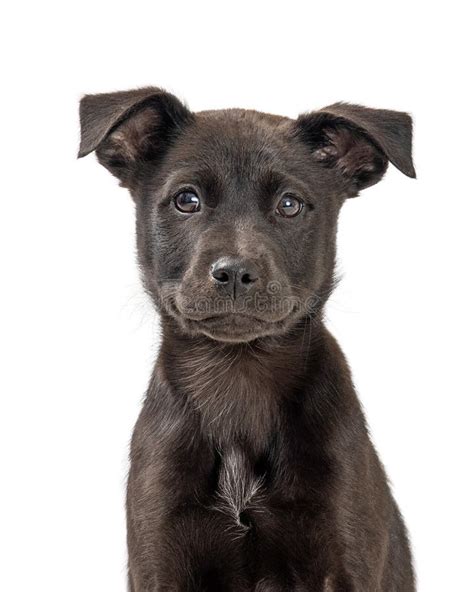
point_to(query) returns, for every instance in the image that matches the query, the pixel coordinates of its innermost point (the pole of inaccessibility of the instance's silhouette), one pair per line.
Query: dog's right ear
(129, 129)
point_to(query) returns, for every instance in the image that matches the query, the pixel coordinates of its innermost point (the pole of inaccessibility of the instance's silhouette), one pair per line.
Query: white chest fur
(239, 489)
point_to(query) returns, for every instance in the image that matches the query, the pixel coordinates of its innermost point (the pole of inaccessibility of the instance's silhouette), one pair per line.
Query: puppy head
(237, 210)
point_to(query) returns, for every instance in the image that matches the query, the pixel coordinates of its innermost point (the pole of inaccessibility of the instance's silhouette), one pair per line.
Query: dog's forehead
(238, 142)
(244, 118)
(239, 132)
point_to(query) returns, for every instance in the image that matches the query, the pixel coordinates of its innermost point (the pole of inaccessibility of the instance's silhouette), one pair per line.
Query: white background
(78, 336)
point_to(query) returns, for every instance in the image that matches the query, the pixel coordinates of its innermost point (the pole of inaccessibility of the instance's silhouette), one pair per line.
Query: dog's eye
(289, 206)
(187, 202)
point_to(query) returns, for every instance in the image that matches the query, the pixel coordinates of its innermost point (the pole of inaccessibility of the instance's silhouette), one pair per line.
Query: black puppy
(251, 465)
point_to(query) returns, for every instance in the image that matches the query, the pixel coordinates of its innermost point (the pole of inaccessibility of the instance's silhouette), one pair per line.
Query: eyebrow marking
(203, 180)
(274, 184)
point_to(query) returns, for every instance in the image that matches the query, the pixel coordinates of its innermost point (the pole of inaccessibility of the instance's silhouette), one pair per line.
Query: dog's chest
(241, 439)
(240, 489)
(241, 421)
(236, 402)
(239, 403)
(246, 497)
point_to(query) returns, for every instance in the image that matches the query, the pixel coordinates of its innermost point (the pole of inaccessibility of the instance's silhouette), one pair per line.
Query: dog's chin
(235, 328)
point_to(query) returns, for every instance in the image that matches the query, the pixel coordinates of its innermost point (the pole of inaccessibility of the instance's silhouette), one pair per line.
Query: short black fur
(251, 464)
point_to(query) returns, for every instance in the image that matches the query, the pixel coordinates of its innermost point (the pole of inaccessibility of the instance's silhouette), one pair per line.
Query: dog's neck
(237, 389)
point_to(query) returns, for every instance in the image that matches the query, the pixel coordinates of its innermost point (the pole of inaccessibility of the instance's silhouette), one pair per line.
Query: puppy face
(237, 210)
(239, 226)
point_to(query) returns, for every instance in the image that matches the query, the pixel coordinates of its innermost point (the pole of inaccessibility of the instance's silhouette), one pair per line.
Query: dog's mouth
(236, 327)
(239, 320)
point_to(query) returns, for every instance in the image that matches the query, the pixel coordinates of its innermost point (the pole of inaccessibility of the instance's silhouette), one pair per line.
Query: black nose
(236, 276)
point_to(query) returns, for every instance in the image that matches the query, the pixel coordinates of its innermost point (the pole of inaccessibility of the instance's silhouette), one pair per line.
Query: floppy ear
(128, 129)
(359, 142)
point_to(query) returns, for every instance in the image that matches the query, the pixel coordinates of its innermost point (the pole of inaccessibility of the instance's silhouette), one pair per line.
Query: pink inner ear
(132, 138)
(326, 153)
(337, 143)
(359, 157)
(352, 153)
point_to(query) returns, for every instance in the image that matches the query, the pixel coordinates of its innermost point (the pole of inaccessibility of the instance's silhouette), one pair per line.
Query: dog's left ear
(359, 142)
